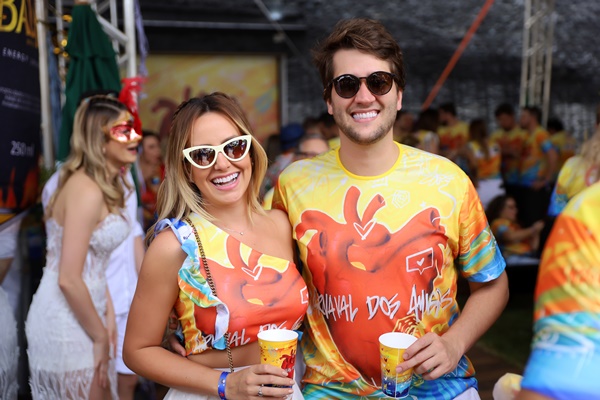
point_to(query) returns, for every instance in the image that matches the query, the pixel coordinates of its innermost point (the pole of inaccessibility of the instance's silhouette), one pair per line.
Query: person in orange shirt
(514, 240)
(483, 159)
(239, 281)
(510, 136)
(453, 132)
(563, 142)
(383, 231)
(538, 167)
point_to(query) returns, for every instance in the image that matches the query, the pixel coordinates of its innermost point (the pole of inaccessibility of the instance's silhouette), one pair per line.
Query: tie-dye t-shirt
(487, 168)
(255, 291)
(453, 137)
(511, 145)
(565, 144)
(533, 163)
(382, 254)
(573, 177)
(565, 359)
(502, 225)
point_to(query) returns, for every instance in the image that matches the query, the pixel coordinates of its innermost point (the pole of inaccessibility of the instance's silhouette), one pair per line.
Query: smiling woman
(214, 237)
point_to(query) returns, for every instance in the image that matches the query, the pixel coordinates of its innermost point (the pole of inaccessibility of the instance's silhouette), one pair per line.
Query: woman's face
(151, 152)
(121, 146)
(510, 210)
(225, 182)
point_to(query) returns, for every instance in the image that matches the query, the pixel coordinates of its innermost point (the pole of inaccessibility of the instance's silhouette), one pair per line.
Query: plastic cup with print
(278, 348)
(391, 348)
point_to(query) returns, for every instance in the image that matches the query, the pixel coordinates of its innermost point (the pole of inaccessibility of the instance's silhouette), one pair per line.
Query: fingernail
(292, 384)
(405, 356)
(398, 369)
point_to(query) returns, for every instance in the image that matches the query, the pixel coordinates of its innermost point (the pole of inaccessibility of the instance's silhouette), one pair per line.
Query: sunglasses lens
(203, 156)
(347, 86)
(379, 83)
(236, 149)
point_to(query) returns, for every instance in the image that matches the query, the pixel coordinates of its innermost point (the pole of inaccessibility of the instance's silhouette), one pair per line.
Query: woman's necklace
(233, 230)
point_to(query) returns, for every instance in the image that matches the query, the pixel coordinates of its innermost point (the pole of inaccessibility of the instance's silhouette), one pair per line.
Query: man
(379, 226)
(564, 143)
(311, 145)
(453, 132)
(510, 138)
(565, 358)
(538, 168)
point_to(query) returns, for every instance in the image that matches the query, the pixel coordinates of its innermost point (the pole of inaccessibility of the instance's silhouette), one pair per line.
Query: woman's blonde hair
(178, 195)
(590, 151)
(94, 116)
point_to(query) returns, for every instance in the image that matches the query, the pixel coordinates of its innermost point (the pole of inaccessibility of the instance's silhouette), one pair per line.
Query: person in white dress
(9, 349)
(70, 327)
(121, 277)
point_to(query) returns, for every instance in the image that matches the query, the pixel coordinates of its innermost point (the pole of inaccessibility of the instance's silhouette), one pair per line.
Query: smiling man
(383, 231)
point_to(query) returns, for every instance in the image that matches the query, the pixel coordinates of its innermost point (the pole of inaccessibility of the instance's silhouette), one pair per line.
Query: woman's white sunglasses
(205, 156)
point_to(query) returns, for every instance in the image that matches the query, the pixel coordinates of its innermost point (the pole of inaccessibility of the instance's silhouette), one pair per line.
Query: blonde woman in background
(70, 326)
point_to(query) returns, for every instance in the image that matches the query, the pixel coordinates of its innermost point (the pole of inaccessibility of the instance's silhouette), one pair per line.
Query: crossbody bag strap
(211, 284)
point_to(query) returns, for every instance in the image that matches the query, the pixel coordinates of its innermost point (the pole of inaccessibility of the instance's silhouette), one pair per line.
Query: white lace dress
(61, 359)
(9, 350)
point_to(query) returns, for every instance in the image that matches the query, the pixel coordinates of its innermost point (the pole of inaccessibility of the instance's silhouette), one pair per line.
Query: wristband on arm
(221, 386)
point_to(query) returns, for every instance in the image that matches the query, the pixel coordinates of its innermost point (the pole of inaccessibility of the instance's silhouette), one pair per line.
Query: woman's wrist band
(221, 386)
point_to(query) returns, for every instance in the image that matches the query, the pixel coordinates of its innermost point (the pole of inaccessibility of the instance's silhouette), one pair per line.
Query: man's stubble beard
(356, 137)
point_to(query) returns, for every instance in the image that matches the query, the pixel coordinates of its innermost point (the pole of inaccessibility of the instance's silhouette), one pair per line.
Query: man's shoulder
(307, 169)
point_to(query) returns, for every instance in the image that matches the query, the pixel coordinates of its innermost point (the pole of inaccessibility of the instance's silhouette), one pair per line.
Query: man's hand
(431, 356)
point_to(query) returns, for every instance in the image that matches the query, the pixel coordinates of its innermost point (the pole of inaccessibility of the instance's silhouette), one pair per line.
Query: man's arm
(433, 356)
(529, 395)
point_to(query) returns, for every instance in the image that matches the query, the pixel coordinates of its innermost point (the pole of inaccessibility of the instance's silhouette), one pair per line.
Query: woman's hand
(111, 325)
(254, 382)
(101, 358)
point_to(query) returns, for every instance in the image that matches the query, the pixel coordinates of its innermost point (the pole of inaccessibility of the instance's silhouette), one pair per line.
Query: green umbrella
(92, 66)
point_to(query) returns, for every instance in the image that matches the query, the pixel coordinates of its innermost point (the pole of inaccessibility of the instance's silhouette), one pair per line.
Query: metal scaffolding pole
(536, 69)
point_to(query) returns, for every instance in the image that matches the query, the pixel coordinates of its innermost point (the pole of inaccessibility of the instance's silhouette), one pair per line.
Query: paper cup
(278, 348)
(391, 348)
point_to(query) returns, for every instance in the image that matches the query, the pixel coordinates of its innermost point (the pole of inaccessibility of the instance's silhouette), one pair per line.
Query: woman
(483, 161)
(513, 239)
(71, 323)
(578, 173)
(9, 349)
(214, 172)
(152, 172)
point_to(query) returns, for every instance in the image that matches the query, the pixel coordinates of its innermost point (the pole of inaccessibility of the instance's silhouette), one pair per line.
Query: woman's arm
(518, 235)
(154, 298)
(83, 207)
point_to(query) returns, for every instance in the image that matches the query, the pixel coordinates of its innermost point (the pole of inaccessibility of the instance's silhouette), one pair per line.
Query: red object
(129, 94)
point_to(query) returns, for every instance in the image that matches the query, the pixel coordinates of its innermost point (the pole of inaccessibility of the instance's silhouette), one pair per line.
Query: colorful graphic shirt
(487, 168)
(565, 144)
(453, 137)
(511, 145)
(379, 256)
(502, 225)
(573, 177)
(533, 162)
(565, 359)
(256, 291)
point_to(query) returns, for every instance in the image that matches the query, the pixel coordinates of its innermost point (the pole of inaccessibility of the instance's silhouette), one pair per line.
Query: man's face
(506, 121)
(525, 119)
(365, 118)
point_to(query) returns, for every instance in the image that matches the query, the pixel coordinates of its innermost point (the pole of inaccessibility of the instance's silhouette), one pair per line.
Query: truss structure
(536, 70)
